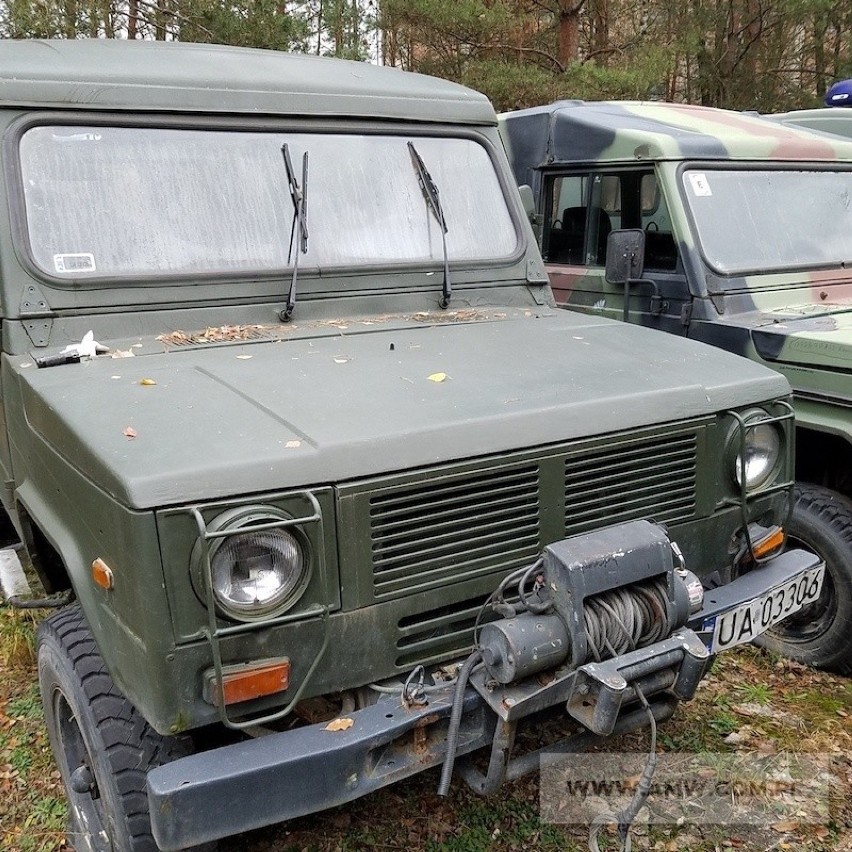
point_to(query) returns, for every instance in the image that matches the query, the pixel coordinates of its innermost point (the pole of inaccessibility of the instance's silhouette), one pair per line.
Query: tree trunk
(132, 19)
(569, 30)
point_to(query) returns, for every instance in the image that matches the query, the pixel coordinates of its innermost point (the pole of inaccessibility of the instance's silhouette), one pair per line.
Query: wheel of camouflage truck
(821, 633)
(103, 747)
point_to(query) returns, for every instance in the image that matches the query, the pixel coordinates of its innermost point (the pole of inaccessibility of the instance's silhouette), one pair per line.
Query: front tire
(820, 635)
(103, 747)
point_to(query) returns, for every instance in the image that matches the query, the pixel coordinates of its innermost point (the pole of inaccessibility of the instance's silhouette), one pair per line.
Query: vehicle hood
(813, 338)
(214, 421)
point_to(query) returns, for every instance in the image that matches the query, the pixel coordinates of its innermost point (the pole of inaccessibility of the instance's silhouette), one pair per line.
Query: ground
(751, 705)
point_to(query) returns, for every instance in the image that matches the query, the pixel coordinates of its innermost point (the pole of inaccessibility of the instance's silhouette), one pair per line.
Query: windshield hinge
(33, 303)
(536, 273)
(38, 331)
(36, 316)
(686, 314)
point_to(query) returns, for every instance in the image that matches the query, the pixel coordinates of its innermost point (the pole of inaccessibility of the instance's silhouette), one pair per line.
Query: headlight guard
(260, 563)
(756, 450)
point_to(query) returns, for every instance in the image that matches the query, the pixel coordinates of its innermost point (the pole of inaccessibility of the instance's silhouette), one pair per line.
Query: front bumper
(247, 785)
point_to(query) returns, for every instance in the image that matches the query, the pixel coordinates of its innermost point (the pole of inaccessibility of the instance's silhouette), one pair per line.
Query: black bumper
(284, 775)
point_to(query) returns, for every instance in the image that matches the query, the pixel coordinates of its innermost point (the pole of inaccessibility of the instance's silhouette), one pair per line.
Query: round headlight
(762, 453)
(255, 572)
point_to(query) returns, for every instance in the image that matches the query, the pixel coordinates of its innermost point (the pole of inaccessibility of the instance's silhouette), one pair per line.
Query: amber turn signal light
(102, 574)
(770, 542)
(244, 682)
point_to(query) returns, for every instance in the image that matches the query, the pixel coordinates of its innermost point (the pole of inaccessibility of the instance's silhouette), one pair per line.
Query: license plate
(748, 621)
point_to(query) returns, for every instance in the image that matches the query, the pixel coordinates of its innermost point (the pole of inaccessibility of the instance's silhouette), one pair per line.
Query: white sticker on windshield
(77, 262)
(700, 184)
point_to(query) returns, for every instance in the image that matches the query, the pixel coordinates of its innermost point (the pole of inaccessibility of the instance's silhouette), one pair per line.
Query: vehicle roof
(116, 74)
(836, 120)
(578, 131)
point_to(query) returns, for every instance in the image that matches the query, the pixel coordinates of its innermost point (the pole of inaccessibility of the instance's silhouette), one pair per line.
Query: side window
(581, 210)
(585, 208)
(660, 245)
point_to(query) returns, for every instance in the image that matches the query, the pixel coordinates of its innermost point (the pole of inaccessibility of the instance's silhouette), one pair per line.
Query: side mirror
(625, 256)
(528, 201)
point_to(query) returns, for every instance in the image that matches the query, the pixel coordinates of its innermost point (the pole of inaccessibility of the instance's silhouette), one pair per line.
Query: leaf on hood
(341, 724)
(438, 377)
(147, 382)
(129, 432)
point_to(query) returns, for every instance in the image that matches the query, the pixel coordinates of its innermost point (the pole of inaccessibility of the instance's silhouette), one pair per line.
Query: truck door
(581, 209)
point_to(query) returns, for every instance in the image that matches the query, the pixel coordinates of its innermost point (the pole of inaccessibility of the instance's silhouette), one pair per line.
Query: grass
(32, 804)
(770, 704)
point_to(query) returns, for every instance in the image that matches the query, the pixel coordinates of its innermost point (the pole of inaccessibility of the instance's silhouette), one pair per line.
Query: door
(581, 209)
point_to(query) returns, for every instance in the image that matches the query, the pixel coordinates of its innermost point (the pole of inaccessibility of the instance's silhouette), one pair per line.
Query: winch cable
(627, 618)
(625, 817)
(455, 722)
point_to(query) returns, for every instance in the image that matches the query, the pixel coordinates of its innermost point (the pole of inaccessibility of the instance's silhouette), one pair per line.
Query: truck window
(585, 208)
(133, 201)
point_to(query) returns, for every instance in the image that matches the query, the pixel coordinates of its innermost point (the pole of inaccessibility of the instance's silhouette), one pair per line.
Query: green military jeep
(737, 230)
(331, 490)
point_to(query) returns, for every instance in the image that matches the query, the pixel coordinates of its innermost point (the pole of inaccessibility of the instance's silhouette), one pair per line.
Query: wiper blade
(299, 197)
(433, 201)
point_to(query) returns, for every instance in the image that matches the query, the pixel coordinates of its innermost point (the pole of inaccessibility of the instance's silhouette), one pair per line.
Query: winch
(594, 623)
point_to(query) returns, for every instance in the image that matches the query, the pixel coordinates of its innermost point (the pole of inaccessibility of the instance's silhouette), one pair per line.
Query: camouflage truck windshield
(745, 221)
(104, 201)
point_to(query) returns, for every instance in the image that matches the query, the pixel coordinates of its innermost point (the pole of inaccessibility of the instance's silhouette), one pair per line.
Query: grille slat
(407, 549)
(450, 520)
(458, 528)
(651, 495)
(628, 454)
(616, 473)
(412, 517)
(654, 478)
(423, 568)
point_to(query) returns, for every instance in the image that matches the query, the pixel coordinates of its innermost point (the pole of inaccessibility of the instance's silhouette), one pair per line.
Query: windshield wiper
(299, 197)
(433, 201)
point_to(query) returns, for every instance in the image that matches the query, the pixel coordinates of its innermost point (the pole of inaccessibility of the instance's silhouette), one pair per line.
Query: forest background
(739, 54)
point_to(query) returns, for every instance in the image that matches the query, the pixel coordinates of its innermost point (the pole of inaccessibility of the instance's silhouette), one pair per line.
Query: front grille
(438, 633)
(652, 478)
(453, 528)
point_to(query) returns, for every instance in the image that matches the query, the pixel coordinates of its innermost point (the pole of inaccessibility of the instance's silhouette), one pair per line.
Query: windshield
(771, 220)
(105, 201)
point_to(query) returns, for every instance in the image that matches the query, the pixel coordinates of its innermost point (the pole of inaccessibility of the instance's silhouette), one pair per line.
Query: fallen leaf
(786, 825)
(129, 432)
(438, 377)
(244, 357)
(291, 445)
(341, 360)
(341, 724)
(147, 382)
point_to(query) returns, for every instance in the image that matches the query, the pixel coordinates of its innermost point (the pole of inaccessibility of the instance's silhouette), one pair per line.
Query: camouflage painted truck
(738, 230)
(338, 493)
